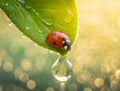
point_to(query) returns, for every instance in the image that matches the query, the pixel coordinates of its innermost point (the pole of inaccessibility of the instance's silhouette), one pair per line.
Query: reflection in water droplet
(62, 69)
(48, 22)
(68, 17)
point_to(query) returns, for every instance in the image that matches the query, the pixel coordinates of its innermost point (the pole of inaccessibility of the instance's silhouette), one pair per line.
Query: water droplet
(40, 31)
(28, 7)
(35, 44)
(68, 17)
(23, 36)
(48, 22)
(35, 12)
(6, 4)
(51, 52)
(10, 24)
(27, 28)
(62, 69)
(21, 1)
(58, 54)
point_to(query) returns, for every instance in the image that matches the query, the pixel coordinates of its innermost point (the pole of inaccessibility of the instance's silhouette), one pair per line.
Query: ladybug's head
(66, 44)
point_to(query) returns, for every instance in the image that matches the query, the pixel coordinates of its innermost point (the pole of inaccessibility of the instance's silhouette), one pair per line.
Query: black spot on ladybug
(54, 34)
(54, 43)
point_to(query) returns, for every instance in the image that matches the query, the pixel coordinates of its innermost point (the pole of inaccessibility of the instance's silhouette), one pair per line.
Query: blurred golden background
(95, 55)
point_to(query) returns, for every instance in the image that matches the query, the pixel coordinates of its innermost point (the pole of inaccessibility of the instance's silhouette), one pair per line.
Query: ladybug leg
(65, 46)
(68, 48)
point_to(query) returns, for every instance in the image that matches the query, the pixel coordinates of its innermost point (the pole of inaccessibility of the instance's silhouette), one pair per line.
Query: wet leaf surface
(36, 18)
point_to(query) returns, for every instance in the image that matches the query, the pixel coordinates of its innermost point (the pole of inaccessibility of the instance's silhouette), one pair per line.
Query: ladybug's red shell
(55, 38)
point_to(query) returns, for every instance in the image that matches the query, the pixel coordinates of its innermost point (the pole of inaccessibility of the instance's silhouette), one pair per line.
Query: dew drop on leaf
(50, 52)
(28, 7)
(48, 22)
(40, 31)
(10, 24)
(21, 1)
(62, 69)
(6, 4)
(23, 36)
(68, 17)
(35, 12)
(35, 44)
(27, 28)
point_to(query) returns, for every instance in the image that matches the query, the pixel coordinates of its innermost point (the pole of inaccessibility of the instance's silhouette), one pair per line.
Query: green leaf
(36, 18)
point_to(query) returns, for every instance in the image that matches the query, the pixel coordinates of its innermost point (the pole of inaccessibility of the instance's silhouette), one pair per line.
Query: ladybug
(58, 40)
